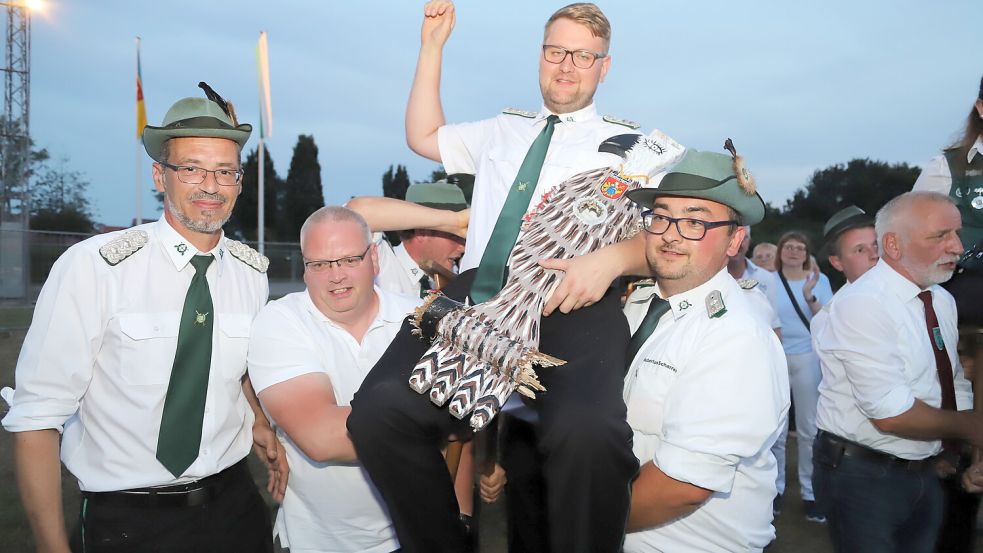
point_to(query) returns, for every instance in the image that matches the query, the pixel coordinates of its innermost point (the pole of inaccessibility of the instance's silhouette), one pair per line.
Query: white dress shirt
(398, 272)
(769, 285)
(877, 359)
(493, 150)
(936, 177)
(329, 506)
(707, 397)
(97, 359)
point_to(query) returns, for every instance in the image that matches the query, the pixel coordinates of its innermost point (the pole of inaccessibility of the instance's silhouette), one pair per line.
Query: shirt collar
(408, 264)
(180, 251)
(894, 281)
(976, 148)
(578, 116)
(388, 310)
(694, 299)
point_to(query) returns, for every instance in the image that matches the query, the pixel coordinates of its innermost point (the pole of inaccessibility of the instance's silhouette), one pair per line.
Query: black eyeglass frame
(347, 262)
(573, 58)
(648, 216)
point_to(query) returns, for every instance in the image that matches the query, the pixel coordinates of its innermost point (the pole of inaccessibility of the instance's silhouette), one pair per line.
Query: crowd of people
(154, 362)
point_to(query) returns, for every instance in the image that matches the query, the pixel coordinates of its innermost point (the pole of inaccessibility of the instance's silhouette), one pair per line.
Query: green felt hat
(438, 195)
(198, 117)
(708, 176)
(845, 219)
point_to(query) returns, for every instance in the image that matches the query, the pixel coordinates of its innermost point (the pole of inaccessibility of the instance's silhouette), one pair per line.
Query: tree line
(60, 200)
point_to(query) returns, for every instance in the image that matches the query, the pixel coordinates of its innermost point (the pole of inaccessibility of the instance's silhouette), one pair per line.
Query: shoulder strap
(791, 298)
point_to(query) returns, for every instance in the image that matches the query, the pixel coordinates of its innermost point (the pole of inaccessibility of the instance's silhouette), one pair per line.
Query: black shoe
(813, 514)
(776, 505)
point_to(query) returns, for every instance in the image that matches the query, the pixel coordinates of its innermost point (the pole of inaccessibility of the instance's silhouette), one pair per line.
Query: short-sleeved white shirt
(97, 359)
(936, 176)
(877, 358)
(707, 398)
(493, 150)
(329, 506)
(398, 272)
(768, 285)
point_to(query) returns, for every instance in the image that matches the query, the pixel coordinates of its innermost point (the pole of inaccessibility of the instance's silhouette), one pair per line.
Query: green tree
(58, 196)
(242, 224)
(395, 183)
(303, 193)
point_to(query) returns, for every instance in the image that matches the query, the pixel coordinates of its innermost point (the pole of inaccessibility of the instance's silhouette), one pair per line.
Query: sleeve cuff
(706, 471)
(891, 404)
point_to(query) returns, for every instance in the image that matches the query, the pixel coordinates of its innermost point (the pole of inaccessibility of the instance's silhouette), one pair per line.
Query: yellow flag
(141, 109)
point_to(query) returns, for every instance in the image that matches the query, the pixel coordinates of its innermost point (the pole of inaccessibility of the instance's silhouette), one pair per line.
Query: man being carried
(517, 157)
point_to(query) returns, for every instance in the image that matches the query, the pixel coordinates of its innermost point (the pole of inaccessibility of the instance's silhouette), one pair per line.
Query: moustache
(207, 196)
(948, 259)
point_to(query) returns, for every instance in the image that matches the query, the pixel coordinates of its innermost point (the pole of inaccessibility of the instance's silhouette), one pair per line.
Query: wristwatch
(811, 300)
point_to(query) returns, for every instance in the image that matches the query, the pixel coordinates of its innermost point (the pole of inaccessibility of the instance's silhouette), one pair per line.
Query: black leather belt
(833, 447)
(189, 494)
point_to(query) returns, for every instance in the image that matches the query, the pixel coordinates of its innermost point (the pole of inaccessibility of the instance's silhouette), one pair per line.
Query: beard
(203, 225)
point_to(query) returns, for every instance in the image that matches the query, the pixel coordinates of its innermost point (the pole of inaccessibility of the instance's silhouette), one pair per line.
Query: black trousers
(235, 520)
(586, 443)
(526, 492)
(958, 533)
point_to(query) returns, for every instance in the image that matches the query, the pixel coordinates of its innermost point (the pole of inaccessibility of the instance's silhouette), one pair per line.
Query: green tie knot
(201, 263)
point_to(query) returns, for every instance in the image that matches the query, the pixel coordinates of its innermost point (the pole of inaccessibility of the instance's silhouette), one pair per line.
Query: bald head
(334, 214)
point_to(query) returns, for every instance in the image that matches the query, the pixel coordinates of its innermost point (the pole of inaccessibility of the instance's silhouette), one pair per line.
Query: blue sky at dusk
(798, 86)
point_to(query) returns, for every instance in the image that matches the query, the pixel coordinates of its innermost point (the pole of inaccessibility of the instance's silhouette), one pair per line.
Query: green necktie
(491, 271)
(184, 405)
(657, 308)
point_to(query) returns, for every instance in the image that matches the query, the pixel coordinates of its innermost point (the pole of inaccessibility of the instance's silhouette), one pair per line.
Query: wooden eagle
(481, 353)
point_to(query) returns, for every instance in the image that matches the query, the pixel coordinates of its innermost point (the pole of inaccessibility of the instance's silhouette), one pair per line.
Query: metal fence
(286, 272)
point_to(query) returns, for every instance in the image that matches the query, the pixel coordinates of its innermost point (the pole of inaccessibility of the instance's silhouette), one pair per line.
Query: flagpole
(265, 130)
(139, 157)
(261, 217)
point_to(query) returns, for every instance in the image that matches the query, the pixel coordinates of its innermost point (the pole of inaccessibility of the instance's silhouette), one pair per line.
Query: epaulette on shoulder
(747, 283)
(623, 122)
(247, 255)
(520, 113)
(644, 283)
(123, 246)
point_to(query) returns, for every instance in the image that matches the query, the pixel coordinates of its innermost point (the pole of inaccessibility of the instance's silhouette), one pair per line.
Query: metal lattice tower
(15, 151)
(15, 131)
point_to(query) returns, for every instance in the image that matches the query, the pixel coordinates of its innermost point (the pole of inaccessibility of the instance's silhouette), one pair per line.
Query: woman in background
(803, 292)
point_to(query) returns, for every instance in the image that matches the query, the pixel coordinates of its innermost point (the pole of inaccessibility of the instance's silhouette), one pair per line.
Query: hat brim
(752, 212)
(859, 220)
(154, 137)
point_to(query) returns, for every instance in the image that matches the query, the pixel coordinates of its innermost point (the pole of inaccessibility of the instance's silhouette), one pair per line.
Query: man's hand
(973, 478)
(438, 22)
(270, 451)
(491, 485)
(586, 279)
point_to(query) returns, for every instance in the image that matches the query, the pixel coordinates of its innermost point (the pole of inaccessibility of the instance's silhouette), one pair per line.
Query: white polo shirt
(329, 506)
(97, 360)
(877, 358)
(707, 397)
(493, 150)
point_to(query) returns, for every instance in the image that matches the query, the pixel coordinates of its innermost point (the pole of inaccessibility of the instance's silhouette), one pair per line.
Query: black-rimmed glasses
(584, 59)
(189, 174)
(690, 229)
(350, 262)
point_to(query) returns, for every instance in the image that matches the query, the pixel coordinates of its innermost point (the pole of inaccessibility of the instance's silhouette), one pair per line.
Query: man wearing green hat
(408, 268)
(136, 356)
(707, 387)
